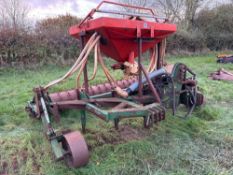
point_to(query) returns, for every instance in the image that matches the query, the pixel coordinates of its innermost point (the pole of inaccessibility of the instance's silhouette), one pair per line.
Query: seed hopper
(144, 91)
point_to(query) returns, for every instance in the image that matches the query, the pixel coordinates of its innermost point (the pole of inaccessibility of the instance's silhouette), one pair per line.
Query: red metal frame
(123, 39)
(91, 13)
(125, 5)
(119, 33)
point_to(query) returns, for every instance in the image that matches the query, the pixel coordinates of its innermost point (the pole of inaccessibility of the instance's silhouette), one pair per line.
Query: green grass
(202, 144)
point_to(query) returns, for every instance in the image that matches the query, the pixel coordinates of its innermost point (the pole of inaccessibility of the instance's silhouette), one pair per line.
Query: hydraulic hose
(90, 44)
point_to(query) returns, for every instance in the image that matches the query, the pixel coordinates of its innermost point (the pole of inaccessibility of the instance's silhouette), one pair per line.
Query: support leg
(116, 123)
(140, 68)
(159, 62)
(83, 121)
(85, 73)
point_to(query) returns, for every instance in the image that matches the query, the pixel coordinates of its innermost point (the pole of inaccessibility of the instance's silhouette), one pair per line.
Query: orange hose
(95, 63)
(106, 71)
(84, 60)
(76, 65)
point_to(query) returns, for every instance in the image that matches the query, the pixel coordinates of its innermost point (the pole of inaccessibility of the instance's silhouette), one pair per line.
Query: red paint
(119, 35)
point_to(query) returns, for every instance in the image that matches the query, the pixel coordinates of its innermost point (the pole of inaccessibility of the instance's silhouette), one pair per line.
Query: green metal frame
(134, 108)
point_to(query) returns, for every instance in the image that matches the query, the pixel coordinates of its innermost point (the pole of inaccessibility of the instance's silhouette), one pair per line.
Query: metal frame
(150, 108)
(97, 9)
(136, 105)
(108, 105)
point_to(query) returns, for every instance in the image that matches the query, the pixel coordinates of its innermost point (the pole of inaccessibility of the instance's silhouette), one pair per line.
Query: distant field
(202, 144)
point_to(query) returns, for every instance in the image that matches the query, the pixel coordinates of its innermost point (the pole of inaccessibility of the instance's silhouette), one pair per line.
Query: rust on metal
(77, 153)
(222, 74)
(93, 90)
(122, 39)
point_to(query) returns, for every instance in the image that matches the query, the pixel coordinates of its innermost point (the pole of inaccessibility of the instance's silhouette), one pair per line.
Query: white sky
(40, 9)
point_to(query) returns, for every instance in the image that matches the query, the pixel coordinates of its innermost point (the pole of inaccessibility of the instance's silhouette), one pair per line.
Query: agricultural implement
(143, 92)
(225, 59)
(222, 74)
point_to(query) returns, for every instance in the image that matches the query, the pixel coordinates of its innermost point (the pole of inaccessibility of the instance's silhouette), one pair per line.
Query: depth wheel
(77, 154)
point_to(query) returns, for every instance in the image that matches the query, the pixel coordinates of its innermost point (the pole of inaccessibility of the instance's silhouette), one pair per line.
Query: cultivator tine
(156, 114)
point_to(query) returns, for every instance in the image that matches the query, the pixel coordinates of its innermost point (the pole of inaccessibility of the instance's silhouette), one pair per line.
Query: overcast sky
(40, 9)
(47, 8)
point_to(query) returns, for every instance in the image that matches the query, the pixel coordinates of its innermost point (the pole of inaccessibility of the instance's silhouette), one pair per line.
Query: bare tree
(191, 7)
(172, 9)
(141, 3)
(13, 13)
(175, 10)
(2, 16)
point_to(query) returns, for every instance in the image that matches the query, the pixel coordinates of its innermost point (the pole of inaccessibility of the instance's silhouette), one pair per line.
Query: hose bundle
(154, 56)
(80, 62)
(93, 43)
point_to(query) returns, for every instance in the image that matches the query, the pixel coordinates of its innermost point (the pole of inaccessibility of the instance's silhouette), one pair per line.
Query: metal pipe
(85, 69)
(131, 14)
(140, 66)
(154, 91)
(125, 5)
(154, 74)
(91, 13)
(159, 56)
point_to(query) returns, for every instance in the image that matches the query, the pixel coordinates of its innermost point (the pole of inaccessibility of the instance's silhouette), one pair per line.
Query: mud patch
(124, 134)
(129, 133)
(224, 158)
(12, 163)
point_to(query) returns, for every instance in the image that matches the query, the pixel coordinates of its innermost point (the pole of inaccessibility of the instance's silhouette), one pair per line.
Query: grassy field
(202, 144)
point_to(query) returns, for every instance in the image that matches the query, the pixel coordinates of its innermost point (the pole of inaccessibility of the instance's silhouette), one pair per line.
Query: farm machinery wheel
(77, 151)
